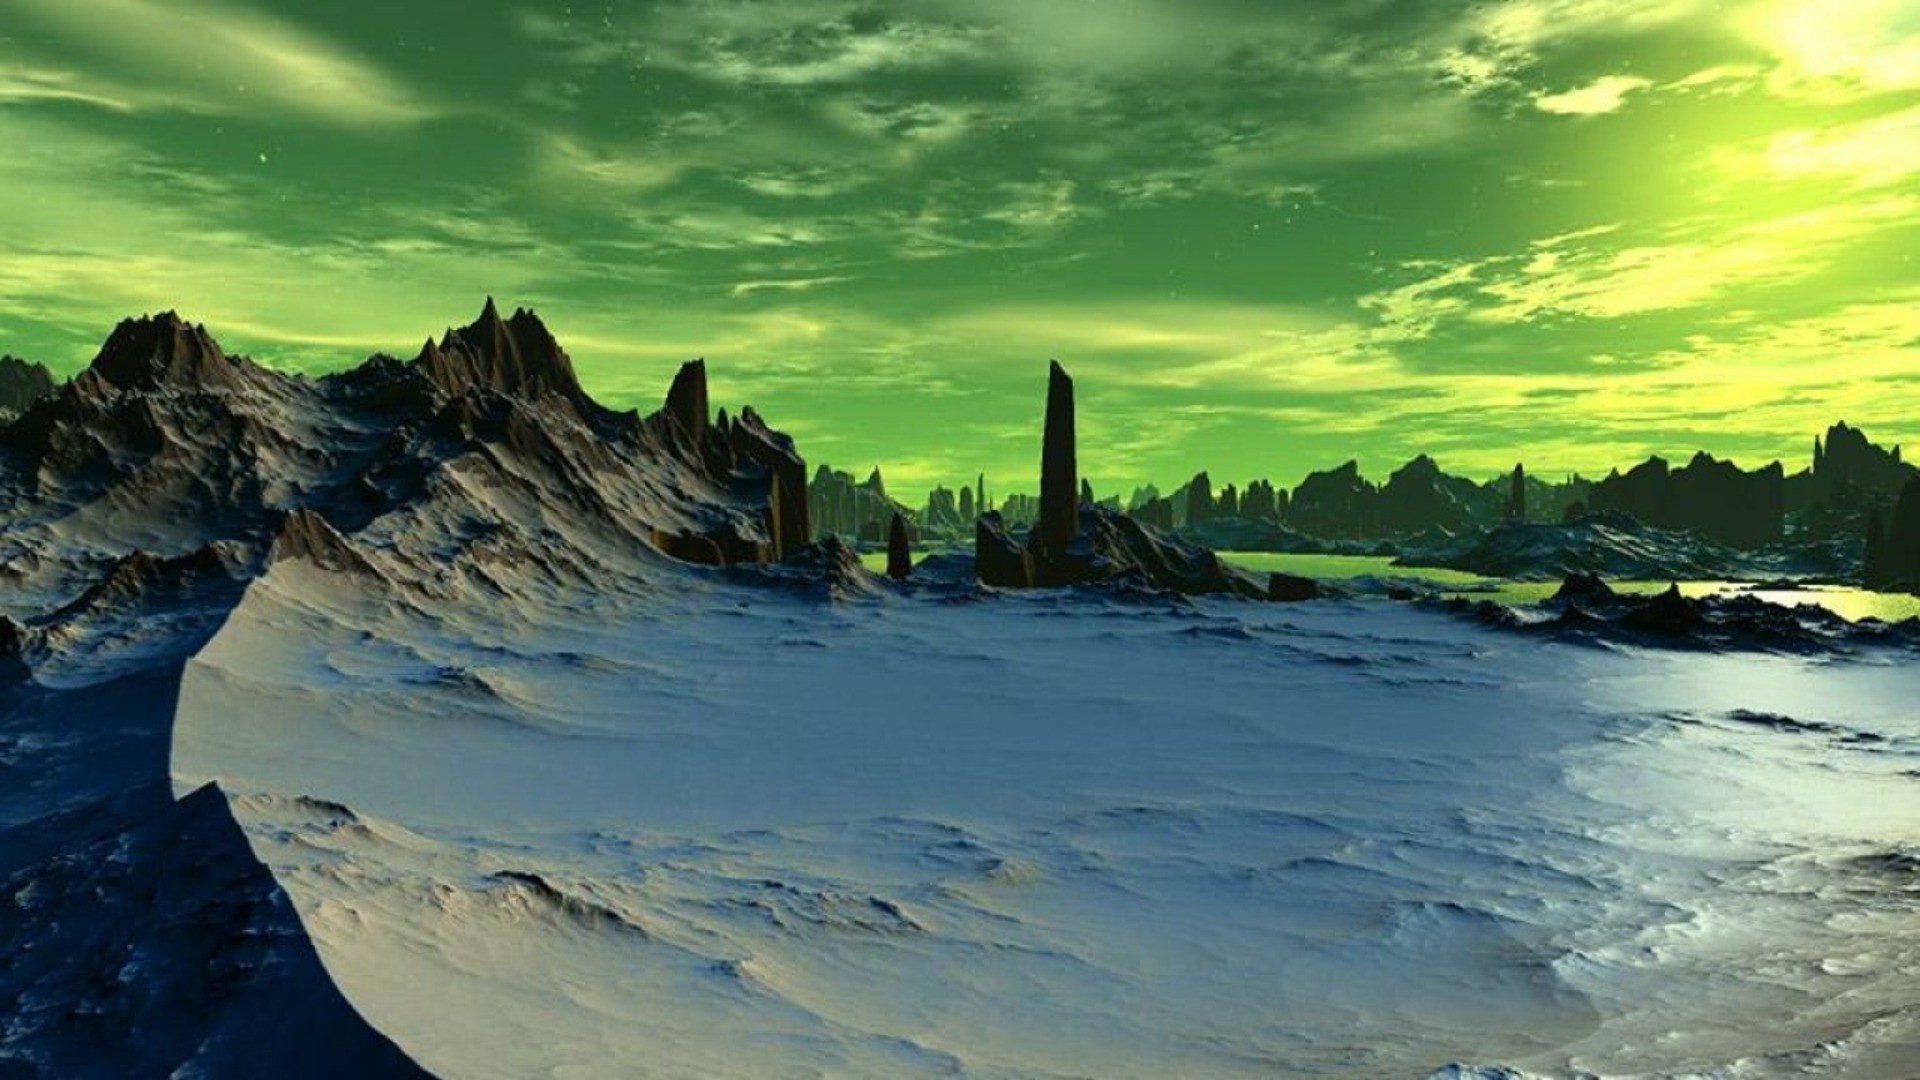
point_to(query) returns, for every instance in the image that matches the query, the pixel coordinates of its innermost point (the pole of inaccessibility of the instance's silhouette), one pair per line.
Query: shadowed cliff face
(143, 937)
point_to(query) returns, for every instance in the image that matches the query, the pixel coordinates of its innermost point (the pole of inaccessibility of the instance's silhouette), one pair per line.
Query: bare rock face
(163, 351)
(899, 555)
(515, 357)
(739, 455)
(999, 559)
(1059, 483)
(687, 399)
(306, 535)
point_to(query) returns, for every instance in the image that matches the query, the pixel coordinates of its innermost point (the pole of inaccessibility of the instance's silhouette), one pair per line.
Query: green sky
(1264, 235)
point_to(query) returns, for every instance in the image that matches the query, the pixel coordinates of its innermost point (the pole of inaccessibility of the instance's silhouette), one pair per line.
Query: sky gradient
(1264, 235)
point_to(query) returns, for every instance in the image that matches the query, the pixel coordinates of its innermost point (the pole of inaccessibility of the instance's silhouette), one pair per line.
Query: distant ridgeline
(21, 384)
(1849, 493)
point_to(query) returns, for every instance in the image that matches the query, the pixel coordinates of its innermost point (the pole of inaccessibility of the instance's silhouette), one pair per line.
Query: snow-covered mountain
(141, 498)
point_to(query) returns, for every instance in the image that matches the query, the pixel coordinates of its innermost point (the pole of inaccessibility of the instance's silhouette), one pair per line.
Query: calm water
(1847, 602)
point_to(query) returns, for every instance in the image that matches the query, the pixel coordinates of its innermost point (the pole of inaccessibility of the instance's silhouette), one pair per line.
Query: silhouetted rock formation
(1335, 503)
(899, 555)
(1417, 497)
(1155, 512)
(21, 384)
(1101, 544)
(1261, 502)
(1851, 472)
(1053, 532)
(1516, 509)
(965, 509)
(839, 505)
(1893, 548)
(1712, 498)
(1589, 590)
(687, 400)
(163, 351)
(1199, 499)
(943, 513)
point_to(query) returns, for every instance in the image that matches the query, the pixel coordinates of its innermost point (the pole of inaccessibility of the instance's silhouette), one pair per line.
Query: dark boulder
(1289, 588)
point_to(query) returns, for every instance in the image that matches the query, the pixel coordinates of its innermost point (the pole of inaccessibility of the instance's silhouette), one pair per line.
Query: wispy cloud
(1872, 153)
(211, 56)
(789, 285)
(1607, 94)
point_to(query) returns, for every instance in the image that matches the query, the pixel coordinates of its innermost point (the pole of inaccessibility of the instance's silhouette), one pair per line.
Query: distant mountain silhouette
(21, 384)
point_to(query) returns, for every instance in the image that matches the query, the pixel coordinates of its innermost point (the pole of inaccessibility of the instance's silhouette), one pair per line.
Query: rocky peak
(687, 399)
(163, 351)
(516, 357)
(22, 383)
(1422, 467)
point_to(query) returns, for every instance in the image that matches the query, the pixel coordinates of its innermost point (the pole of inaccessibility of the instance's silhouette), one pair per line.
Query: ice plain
(705, 827)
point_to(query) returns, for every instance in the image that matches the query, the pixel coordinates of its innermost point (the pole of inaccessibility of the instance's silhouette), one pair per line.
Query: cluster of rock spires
(1585, 609)
(840, 505)
(1708, 517)
(164, 421)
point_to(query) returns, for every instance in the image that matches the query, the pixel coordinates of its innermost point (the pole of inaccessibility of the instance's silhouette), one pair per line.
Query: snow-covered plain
(709, 829)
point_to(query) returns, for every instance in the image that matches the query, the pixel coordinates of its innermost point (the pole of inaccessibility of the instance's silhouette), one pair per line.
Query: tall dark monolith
(1059, 485)
(899, 555)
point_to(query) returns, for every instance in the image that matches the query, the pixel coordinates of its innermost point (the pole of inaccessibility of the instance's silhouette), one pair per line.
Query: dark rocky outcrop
(1336, 503)
(1585, 589)
(1417, 497)
(21, 384)
(1199, 499)
(1893, 547)
(1715, 499)
(1516, 508)
(514, 357)
(899, 553)
(1850, 471)
(1053, 531)
(687, 404)
(1292, 588)
(164, 351)
(1261, 502)
(1101, 545)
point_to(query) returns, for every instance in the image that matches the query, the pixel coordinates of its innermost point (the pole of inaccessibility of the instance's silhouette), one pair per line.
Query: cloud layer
(1268, 234)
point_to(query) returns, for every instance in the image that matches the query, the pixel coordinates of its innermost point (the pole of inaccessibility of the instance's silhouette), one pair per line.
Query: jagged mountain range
(141, 499)
(166, 445)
